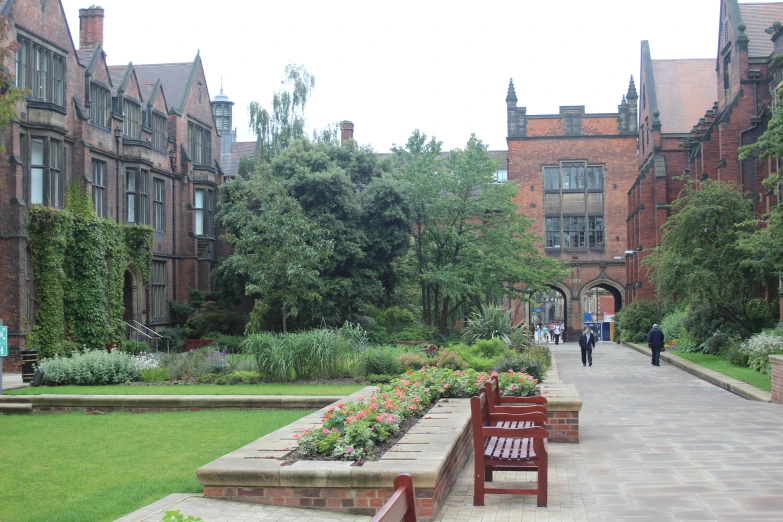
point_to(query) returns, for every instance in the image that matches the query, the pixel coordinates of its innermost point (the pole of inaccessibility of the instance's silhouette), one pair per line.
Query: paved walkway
(12, 381)
(657, 444)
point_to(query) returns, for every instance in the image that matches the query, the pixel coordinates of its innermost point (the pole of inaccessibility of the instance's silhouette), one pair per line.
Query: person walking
(556, 329)
(545, 333)
(587, 343)
(655, 342)
(538, 333)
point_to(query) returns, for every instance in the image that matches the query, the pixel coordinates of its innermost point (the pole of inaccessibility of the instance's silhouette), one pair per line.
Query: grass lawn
(722, 365)
(77, 467)
(194, 389)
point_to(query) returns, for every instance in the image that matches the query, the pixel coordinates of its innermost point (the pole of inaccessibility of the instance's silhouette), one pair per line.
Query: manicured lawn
(719, 364)
(77, 467)
(195, 389)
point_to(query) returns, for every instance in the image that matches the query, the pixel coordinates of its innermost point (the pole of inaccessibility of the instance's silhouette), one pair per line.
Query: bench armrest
(506, 408)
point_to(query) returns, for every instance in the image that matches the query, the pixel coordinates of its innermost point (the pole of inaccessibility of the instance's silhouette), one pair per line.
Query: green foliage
(381, 360)
(703, 259)
(92, 255)
(133, 347)
(758, 349)
(450, 359)
(10, 94)
(94, 367)
(395, 318)
(225, 343)
(635, 320)
(176, 338)
(457, 259)
(672, 324)
(316, 354)
(490, 347)
(177, 516)
(490, 322)
(152, 375)
(212, 316)
(413, 361)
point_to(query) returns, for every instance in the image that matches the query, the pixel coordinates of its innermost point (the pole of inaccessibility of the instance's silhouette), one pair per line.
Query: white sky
(392, 67)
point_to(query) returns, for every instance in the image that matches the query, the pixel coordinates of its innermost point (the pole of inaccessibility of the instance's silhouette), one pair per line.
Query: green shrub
(490, 322)
(490, 347)
(540, 352)
(225, 343)
(524, 363)
(672, 324)
(394, 318)
(520, 338)
(381, 361)
(211, 317)
(152, 375)
(177, 366)
(475, 357)
(736, 356)
(635, 320)
(176, 338)
(243, 377)
(451, 360)
(133, 347)
(380, 379)
(759, 348)
(96, 367)
(416, 333)
(413, 361)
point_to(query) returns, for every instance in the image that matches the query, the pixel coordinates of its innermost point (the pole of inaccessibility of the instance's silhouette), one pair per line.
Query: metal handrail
(148, 330)
(149, 339)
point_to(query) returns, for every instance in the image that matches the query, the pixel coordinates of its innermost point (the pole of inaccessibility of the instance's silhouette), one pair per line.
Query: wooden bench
(507, 442)
(402, 505)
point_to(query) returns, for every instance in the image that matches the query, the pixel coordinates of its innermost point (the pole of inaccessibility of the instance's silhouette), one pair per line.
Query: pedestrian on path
(545, 334)
(556, 329)
(655, 342)
(587, 343)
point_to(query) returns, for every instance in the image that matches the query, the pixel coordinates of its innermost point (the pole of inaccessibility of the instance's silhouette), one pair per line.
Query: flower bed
(350, 431)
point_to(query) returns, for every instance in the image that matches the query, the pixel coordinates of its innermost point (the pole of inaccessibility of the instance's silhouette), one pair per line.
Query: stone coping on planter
(738, 387)
(53, 402)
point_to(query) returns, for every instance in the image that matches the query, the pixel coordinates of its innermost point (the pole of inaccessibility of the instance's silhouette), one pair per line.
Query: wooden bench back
(494, 386)
(401, 507)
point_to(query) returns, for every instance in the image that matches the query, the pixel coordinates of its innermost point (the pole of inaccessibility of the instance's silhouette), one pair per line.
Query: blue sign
(537, 310)
(3, 341)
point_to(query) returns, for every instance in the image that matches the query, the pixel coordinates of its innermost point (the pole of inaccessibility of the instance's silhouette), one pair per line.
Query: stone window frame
(159, 204)
(41, 69)
(99, 170)
(100, 105)
(137, 195)
(590, 233)
(131, 126)
(160, 130)
(159, 289)
(52, 167)
(199, 143)
(203, 212)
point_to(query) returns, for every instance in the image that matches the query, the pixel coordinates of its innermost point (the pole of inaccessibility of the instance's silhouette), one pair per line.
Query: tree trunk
(284, 329)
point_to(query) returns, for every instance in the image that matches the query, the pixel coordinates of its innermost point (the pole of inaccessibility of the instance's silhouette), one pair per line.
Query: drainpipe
(117, 138)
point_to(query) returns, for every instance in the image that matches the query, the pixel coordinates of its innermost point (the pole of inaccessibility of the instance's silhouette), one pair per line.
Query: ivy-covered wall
(79, 264)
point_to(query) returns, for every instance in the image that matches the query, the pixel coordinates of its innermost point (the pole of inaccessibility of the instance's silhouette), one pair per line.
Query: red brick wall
(777, 379)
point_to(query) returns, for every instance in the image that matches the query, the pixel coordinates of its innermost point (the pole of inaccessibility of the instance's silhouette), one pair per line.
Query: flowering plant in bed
(351, 430)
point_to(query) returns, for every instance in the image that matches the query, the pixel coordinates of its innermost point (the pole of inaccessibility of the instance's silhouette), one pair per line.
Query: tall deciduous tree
(278, 251)
(286, 123)
(701, 260)
(469, 243)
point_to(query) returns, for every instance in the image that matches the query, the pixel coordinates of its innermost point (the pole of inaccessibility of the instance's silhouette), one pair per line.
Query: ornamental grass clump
(351, 431)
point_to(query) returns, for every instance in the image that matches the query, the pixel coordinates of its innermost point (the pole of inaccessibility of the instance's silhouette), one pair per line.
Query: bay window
(574, 206)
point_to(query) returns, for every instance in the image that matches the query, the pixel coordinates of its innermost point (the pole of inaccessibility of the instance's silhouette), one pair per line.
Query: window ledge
(47, 106)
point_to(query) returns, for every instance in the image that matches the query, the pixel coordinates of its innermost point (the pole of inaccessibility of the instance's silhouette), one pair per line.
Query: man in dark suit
(587, 343)
(655, 342)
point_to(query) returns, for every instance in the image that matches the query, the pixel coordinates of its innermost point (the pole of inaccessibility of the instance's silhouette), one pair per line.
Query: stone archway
(602, 298)
(131, 296)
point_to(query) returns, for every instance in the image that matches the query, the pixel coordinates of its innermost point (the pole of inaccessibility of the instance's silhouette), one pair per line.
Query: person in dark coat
(587, 343)
(655, 342)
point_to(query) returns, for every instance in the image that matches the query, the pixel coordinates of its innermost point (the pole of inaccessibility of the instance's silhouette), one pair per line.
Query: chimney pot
(346, 131)
(90, 27)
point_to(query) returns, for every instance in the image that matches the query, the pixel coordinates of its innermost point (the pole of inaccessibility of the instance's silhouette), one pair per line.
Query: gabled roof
(175, 78)
(150, 92)
(757, 17)
(239, 149)
(117, 75)
(684, 90)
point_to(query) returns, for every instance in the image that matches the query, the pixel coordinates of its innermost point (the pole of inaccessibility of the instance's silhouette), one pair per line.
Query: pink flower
(510, 370)
(331, 408)
(340, 405)
(360, 397)
(413, 407)
(349, 450)
(297, 435)
(326, 430)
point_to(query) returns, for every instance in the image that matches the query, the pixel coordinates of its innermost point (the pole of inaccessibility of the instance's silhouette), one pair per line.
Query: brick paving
(656, 444)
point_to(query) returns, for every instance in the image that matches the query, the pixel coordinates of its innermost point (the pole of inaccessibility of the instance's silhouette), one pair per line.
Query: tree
(701, 260)
(469, 243)
(278, 252)
(278, 130)
(364, 215)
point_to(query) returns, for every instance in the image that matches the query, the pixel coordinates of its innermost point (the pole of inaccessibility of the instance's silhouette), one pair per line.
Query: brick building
(574, 171)
(142, 139)
(694, 116)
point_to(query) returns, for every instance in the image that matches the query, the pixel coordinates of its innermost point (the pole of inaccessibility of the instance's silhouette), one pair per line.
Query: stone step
(15, 408)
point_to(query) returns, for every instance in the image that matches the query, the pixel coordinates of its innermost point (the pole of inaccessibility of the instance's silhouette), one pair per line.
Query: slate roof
(85, 55)
(757, 17)
(173, 77)
(239, 149)
(116, 73)
(685, 90)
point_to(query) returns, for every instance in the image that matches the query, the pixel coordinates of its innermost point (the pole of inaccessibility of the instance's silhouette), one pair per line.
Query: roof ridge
(159, 64)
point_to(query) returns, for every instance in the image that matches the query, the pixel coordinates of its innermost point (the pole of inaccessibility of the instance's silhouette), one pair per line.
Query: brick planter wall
(776, 363)
(563, 426)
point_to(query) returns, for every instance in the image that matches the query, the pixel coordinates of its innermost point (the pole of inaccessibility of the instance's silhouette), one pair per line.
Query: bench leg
(478, 483)
(487, 473)
(542, 482)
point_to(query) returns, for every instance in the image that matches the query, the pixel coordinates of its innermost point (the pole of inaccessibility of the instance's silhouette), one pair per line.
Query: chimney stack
(346, 131)
(90, 27)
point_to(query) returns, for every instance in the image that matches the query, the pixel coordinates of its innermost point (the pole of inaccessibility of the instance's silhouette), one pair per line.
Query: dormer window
(41, 70)
(99, 105)
(160, 131)
(132, 125)
(200, 144)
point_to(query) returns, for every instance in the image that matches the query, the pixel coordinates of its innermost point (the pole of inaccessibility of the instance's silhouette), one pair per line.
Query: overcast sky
(392, 67)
